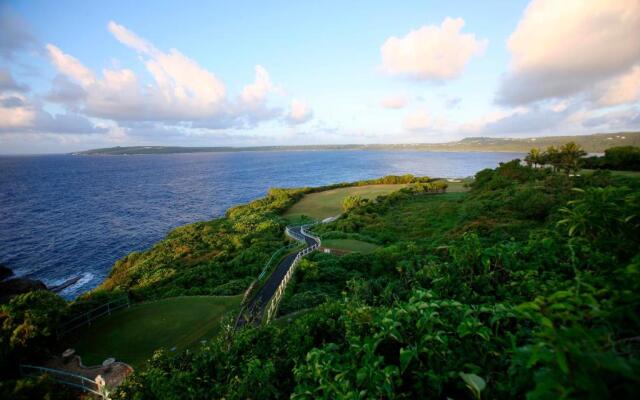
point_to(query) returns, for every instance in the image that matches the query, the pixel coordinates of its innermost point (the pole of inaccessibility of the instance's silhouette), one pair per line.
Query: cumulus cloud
(65, 91)
(183, 93)
(299, 112)
(431, 52)
(257, 91)
(182, 89)
(561, 48)
(21, 113)
(395, 101)
(70, 66)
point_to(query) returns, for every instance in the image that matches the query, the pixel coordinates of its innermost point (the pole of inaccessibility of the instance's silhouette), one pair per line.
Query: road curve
(253, 310)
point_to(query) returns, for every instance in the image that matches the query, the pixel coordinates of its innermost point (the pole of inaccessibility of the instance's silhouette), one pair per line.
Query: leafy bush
(28, 326)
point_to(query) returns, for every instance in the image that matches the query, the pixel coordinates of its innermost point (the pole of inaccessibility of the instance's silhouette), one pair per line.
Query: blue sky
(77, 74)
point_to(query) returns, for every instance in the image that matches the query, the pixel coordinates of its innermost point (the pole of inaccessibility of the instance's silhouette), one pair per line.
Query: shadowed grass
(349, 245)
(133, 334)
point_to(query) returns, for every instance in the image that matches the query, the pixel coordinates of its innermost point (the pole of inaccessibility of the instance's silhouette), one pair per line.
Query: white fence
(89, 316)
(67, 378)
(272, 307)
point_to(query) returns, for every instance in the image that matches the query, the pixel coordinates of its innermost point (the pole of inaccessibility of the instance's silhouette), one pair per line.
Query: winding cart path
(254, 309)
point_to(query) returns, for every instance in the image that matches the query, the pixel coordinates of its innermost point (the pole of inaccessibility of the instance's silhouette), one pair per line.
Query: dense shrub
(28, 326)
(625, 158)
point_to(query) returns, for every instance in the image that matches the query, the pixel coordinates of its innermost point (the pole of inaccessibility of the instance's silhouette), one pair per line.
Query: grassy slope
(349, 245)
(131, 335)
(328, 203)
(591, 143)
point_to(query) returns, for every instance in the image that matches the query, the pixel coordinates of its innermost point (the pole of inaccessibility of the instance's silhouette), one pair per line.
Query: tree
(534, 157)
(29, 321)
(623, 158)
(569, 157)
(551, 157)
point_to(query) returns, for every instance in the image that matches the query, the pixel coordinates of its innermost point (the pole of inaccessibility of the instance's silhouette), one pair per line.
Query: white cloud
(257, 91)
(561, 48)
(130, 39)
(299, 112)
(620, 90)
(181, 81)
(182, 90)
(431, 52)
(19, 114)
(15, 112)
(395, 101)
(418, 120)
(70, 66)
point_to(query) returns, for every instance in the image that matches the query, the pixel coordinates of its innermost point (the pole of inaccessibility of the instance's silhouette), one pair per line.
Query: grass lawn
(328, 203)
(349, 245)
(457, 187)
(132, 334)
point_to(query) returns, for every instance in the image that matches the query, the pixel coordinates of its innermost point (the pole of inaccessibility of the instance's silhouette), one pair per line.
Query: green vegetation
(349, 245)
(630, 174)
(27, 327)
(626, 158)
(567, 158)
(133, 334)
(329, 203)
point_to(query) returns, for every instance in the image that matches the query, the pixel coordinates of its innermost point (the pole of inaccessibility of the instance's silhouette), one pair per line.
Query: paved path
(253, 311)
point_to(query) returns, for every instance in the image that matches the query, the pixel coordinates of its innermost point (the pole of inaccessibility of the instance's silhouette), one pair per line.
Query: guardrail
(300, 235)
(272, 306)
(87, 317)
(273, 256)
(68, 378)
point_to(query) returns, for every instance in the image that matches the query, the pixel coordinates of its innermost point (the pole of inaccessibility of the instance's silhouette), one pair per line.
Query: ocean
(64, 216)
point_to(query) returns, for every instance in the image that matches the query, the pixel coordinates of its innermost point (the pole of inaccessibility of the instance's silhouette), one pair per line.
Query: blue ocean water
(63, 216)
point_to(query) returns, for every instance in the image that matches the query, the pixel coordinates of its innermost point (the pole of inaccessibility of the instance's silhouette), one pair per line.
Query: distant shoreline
(595, 143)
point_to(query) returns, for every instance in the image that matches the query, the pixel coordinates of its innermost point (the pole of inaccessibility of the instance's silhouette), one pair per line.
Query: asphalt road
(256, 305)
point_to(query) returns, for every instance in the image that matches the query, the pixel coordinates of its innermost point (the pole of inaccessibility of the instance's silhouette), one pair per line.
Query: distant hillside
(595, 143)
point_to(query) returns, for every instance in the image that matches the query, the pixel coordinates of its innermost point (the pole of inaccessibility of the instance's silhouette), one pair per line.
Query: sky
(76, 75)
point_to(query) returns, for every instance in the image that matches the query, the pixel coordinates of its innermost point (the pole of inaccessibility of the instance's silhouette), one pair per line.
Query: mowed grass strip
(328, 203)
(350, 245)
(133, 334)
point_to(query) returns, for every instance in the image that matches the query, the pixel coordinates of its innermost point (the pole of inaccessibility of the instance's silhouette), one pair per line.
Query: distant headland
(595, 143)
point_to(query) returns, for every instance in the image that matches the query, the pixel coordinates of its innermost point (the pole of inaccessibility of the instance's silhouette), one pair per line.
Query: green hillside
(596, 143)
